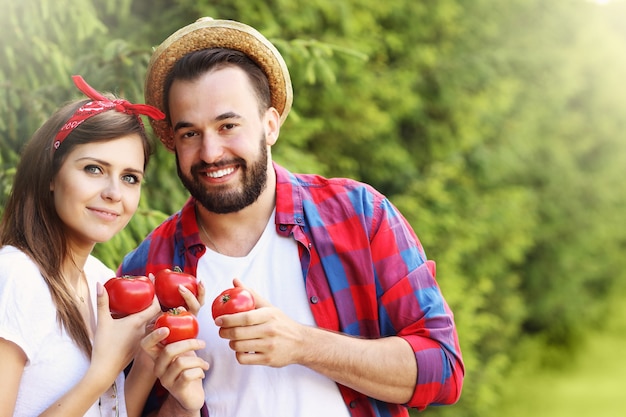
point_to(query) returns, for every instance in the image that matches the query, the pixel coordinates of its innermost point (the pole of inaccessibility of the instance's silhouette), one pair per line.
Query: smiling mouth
(220, 173)
(105, 213)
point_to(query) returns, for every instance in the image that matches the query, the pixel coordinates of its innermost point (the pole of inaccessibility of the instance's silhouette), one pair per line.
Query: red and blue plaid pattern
(365, 271)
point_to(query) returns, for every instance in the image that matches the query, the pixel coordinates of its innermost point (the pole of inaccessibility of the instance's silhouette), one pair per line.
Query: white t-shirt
(273, 270)
(28, 318)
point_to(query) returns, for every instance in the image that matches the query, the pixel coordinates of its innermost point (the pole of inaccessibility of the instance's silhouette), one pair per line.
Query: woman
(78, 183)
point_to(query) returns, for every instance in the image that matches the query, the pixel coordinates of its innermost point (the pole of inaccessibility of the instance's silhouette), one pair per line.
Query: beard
(220, 199)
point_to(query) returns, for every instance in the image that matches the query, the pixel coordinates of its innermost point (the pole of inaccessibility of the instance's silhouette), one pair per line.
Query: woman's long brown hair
(30, 221)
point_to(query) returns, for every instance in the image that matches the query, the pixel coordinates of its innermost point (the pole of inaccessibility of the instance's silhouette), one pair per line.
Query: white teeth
(220, 173)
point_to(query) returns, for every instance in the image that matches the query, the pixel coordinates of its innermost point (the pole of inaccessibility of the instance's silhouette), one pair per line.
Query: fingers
(151, 311)
(145, 318)
(243, 319)
(187, 367)
(151, 344)
(174, 358)
(175, 349)
(186, 387)
(258, 300)
(246, 318)
(178, 368)
(193, 303)
(201, 293)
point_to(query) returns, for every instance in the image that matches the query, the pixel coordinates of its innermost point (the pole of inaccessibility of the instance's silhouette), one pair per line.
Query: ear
(272, 126)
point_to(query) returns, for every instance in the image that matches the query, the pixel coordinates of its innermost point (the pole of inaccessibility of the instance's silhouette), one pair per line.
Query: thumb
(102, 300)
(258, 300)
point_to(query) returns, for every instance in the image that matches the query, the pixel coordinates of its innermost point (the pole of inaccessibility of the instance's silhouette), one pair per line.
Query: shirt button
(282, 227)
(353, 404)
(314, 299)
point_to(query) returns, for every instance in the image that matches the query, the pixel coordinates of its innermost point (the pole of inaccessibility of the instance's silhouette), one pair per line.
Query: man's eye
(188, 134)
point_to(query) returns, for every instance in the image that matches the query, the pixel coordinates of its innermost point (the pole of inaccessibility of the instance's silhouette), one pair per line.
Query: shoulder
(333, 194)
(338, 201)
(95, 269)
(9, 252)
(15, 262)
(163, 242)
(22, 287)
(319, 186)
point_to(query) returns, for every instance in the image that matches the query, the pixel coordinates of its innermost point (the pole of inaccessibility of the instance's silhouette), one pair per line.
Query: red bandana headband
(100, 104)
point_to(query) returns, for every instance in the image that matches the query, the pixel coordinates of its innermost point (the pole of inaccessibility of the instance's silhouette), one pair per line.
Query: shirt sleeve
(27, 312)
(413, 307)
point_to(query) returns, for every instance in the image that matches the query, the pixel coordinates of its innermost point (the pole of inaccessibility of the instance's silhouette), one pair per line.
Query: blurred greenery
(586, 385)
(496, 127)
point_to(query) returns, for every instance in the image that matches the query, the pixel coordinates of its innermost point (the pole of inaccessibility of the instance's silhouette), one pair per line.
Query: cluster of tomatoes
(131, 294)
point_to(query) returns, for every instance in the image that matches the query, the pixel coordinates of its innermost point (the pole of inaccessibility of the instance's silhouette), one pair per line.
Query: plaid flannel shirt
(365, 272)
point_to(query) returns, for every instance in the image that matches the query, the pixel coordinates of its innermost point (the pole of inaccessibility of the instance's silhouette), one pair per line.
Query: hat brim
(213, 33)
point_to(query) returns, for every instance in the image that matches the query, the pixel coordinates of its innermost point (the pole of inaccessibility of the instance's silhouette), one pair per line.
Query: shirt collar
(289, 209)
(189, 232)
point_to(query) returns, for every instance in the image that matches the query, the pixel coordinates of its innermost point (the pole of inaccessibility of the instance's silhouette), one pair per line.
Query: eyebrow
(108, 164)
(182, 125)
(224, 116)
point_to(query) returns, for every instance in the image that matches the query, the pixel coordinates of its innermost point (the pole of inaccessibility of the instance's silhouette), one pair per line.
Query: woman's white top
(28, 318)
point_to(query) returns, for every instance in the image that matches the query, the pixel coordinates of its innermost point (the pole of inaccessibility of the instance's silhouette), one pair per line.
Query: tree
(496, 128)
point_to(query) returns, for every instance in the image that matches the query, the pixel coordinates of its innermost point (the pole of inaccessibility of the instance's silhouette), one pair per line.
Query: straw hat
(207, 33)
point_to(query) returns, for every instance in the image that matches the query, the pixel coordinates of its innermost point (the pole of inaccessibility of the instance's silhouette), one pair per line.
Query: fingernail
(182, 288)
(99, 289)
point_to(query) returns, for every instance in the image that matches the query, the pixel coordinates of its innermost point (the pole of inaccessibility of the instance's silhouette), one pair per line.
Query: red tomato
(129, 295)
(166, 283)
(182, 324)
(232, 300)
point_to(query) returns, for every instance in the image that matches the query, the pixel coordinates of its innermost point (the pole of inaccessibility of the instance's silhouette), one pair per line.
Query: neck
(73, 269)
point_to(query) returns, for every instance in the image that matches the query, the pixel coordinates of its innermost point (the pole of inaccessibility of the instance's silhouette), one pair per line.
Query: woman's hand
(194, 304)
(178, 368)
(117, 340)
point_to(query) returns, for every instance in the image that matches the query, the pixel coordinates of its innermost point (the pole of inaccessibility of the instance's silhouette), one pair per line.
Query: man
(349, 319)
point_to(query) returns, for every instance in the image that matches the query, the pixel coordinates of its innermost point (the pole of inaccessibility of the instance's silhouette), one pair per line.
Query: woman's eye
(131, 179)
(93, 169)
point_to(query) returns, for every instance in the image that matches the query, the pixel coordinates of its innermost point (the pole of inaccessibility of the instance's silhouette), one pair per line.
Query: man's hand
(263, 336)
(385, 368)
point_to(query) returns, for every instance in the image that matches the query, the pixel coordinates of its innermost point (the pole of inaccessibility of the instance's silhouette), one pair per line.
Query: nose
(212, 148)
(112, 191)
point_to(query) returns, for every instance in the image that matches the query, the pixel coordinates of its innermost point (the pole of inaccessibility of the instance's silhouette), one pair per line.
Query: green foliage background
(496, 127)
